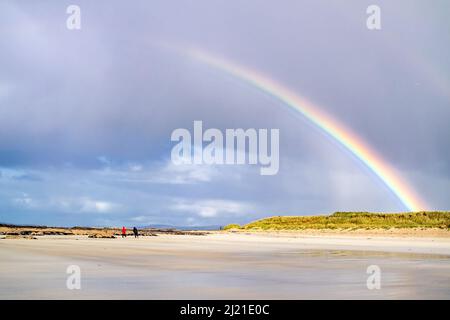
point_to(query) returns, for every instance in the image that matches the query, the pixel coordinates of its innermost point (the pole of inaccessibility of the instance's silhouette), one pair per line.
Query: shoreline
(373, 232)
(396, 240)
(400, 243)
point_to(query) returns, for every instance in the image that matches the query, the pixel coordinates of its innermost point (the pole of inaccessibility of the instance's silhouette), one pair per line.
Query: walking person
(135, 231)
(124, 232)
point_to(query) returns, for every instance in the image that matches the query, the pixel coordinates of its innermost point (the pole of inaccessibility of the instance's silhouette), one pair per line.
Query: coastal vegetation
(352, 220)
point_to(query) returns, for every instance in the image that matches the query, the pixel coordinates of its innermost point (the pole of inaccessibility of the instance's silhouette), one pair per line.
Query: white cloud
(104, 160)
(186, 173)
(89, 205)
(145, 220)
(84, 205)
(135, 167)
(212, 207)
(167, 173)
(24, 201)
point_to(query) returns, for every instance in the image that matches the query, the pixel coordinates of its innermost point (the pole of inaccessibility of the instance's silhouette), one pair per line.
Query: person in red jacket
(124, 232)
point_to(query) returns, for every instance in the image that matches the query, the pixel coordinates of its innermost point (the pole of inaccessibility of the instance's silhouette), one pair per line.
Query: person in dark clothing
(135, 231)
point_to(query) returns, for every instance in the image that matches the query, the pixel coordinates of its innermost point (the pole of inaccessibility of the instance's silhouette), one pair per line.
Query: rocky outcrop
(101, 236)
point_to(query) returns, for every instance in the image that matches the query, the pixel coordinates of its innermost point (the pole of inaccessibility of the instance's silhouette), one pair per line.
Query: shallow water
(166, 270)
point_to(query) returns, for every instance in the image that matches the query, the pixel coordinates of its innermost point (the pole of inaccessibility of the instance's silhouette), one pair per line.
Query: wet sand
(226, 266)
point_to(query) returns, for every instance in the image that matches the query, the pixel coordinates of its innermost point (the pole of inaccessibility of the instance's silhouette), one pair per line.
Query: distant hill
(352, 220)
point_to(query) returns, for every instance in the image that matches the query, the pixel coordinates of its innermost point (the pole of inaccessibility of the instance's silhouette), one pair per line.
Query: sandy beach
(225, 265)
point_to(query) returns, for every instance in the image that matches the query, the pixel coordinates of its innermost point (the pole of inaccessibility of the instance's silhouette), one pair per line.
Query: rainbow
(322, 120)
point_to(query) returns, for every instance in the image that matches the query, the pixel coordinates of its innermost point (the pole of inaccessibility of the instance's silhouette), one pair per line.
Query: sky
(86, 115)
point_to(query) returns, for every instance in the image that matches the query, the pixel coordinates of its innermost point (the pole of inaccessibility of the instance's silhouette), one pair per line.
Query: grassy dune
(352, 220)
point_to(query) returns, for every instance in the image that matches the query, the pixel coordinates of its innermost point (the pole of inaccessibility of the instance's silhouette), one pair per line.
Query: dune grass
(352, 220)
